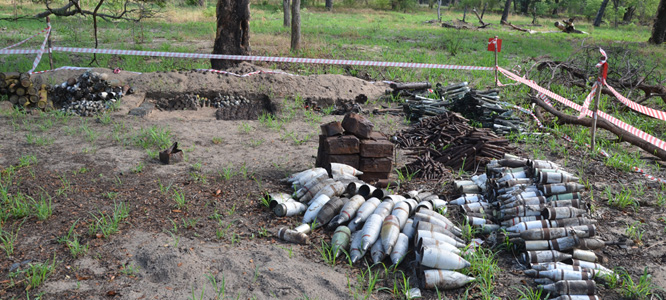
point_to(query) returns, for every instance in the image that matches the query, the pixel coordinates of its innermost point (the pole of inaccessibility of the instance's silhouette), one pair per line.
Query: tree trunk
(600, 14)
(287, 18)
(464, 14)
(233, 31)
(515, 6)
(483, 12)
(505, 13)
(629, 14)
(659, 28)
(295, 25)
(329, 5)
(439, 12)
(525, 6)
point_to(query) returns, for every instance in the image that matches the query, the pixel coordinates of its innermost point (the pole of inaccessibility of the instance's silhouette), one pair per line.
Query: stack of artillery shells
(231, 107)
(24, 91)
(181, 102)
(367, 220)
(89, 94)
(541, 206)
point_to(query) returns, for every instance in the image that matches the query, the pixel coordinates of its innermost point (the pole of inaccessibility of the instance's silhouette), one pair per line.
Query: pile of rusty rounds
(24, 90)
(542, 208)
(222, 101)
(363, 219)
(89, 94)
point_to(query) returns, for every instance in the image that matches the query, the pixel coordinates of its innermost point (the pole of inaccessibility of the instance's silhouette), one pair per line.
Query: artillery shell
(377, 251)
(571, 287)
(277, 198)
(366, 191)
(348, 211)
(356, 251)
(572, 222)
(303, 228)
(513, 163)
(558, 232)
(400, 249)
(445, 279)
(577, 297)
(401, 212)
(310, 188)
(561, 188)
(409, 230)
(543, 164)
(431, 219)
(438, 236)
(426, 205)
(293, 236)
(390, 232)
(567, 196)
(371, 230)
(585, 255)
(352, 188)
(364, 212)
(396, 198)
(560, 274)
(528, 201)
(422, 225)
(340, 240)
(314, 208)
(548, 178)
(329, 210)
(426, 242)
(554, 213)
(517, 220)
(332, 190)
(587, 264)
(289, 209)
(437, 203)
(437, 258)
(412, 205)
(544, 256)
(384, 209)
(487, 228)
(315, 173)
(444, 219)
(560, 244)
(342, 169)
(466, 199)
(591, 244)
(521, 211)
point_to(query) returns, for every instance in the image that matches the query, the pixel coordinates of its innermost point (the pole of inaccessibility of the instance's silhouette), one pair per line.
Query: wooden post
(594, 111)
(496, 63)
(49, 44)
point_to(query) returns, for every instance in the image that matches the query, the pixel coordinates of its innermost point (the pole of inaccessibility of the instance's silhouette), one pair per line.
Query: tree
(233, 31)
(329, 5)
(659, 27)
(285, 8)
(600, 14)
(295, 25)
(505, 13)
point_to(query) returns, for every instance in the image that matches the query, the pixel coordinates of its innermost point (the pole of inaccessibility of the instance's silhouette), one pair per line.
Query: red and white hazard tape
(23, 41)
(657, 114)
(569, 139)
(41, 50)
(588, 99)
(246, 75)
(633, 130)
(256, 58)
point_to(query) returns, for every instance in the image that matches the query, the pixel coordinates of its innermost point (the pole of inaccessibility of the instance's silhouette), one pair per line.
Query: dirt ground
(224, 232)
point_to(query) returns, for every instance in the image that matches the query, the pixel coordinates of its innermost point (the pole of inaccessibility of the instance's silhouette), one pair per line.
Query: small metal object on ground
(171, 155)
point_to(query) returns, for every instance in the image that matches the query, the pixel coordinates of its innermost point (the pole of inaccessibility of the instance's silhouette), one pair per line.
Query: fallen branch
(480, 18)
(518, 28)
(619, 132)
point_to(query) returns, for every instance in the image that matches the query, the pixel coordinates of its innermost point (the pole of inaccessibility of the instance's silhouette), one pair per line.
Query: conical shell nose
(531, 273)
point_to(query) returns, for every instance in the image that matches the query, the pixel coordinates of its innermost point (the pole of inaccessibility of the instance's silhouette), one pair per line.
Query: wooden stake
(496, 63)
(49, 43)
(594, 112)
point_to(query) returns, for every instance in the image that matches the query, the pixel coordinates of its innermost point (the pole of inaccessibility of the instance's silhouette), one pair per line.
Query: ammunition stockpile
(22, 91)
(542, 208)
(364, 220)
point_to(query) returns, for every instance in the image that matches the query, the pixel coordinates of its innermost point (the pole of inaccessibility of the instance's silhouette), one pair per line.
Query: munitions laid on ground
(542, 209)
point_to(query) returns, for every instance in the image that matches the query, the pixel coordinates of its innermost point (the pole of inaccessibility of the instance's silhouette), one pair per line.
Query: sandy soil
(164, 252)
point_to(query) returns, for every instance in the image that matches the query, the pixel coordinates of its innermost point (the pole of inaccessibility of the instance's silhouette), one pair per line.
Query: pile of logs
(22, 91)
(448, 141)
(354, 143)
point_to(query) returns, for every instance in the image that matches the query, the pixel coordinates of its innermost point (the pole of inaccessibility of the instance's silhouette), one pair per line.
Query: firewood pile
(447, 141)
(22, 91)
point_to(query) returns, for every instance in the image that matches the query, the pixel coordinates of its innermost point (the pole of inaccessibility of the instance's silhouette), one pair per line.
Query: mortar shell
(571, 287)
(329, 210)
(370, 231)
(444, 279)
(585, 255)
(544, 256)
(555, 213)
(340, 240)
(289, 209)
(293, 236)
(389, 233)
